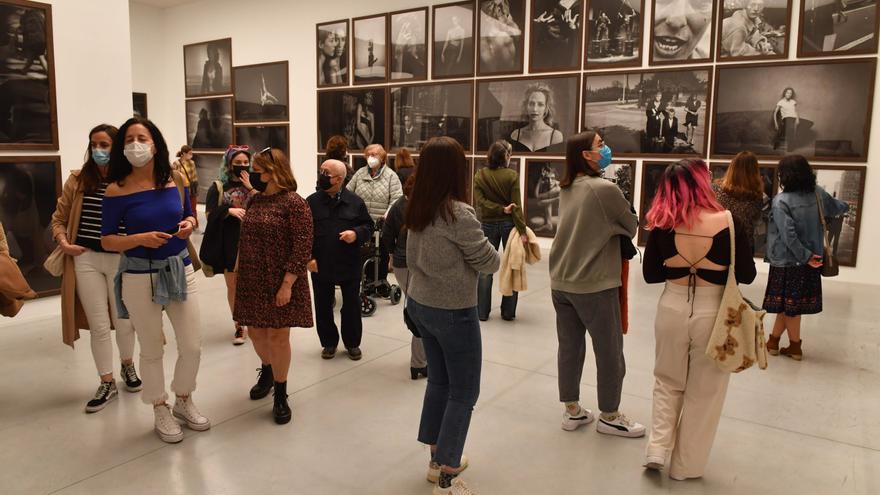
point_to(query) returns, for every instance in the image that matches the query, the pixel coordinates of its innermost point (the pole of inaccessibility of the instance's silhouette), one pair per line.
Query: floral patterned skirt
(794, 290)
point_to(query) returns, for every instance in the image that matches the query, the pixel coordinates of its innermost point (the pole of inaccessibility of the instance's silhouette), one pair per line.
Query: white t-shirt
(788, 108)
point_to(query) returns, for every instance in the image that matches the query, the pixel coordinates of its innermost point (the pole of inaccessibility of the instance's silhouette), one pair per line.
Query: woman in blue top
(155, 270)
(794, 249)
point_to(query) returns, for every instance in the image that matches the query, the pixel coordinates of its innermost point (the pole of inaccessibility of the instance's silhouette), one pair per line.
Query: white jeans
(94, 288)
(146, 316)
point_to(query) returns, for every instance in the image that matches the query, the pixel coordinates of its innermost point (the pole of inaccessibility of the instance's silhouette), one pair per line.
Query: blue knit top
(157, 210)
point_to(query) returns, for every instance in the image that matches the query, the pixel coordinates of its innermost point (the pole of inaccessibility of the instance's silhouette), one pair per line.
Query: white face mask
(138, 154)
(373, 162)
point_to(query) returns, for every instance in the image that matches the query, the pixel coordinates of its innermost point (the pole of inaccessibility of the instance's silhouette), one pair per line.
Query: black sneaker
(106, 392)
(355, 353)
(328, 353)
(132, 382)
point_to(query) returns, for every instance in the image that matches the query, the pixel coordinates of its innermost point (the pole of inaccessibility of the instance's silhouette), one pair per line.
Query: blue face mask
(604, 157)
(101, 157)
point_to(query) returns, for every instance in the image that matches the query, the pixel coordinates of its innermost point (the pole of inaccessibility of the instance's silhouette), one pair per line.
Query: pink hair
(683, 192)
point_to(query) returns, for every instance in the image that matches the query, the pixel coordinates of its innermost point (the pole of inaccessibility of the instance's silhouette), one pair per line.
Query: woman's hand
(246, 180)
(237, 213)
(509, 208)
(524, 238)
(153, 240)
(815, 261)
(184, 229)
(72, 249)
(282, 298)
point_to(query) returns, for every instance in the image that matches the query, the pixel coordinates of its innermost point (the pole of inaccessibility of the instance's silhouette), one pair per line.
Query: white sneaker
(185, 409)
(571, 422)
(458, 487)
(654, 462)
(240, 336)
(434, 469)
(621, 426)
(167, 429)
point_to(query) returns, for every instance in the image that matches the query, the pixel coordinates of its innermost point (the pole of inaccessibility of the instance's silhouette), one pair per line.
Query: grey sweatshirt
(445, 260)
(585, 257)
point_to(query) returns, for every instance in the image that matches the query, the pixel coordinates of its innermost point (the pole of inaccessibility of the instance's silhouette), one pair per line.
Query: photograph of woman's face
(536, 106)
(679, 28)
(329, 43)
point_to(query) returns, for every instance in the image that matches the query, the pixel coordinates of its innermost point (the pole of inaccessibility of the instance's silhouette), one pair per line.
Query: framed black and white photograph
(139, 105)
(846, 183)
(208, 171)
(614, 33)
(682, 31)
(535, 115)
(501, 31)
(771, 187)
(651, 173)
(209, 123)
(409, 45)
(370, 49)
(422, 111)
(208, 68)
(821, 110)
(650, 113)
(837, 27)
(358, 114)
(28, 115)
(29, 189)
(753, 30)
(622, 173)
(453, 35)
(332, 51)
(541, 195)
(482, 162)
(555, 36)
(261, 92)
(259, 137)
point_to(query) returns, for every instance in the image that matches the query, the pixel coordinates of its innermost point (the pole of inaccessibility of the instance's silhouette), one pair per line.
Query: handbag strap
(821, 216)
(731, 271)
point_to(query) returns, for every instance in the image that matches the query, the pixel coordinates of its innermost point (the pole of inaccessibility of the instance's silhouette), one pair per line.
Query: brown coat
(65, 220)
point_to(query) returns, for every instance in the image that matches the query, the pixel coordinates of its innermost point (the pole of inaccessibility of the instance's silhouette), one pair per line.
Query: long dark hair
(120, 168)
(89, 177)
(441, 179)
(796, 175)
(575, 163)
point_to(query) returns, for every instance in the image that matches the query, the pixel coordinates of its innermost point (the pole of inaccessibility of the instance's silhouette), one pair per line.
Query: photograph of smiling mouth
(669, 46)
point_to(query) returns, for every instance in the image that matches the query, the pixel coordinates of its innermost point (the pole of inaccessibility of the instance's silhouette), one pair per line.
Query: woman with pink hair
(689, 248)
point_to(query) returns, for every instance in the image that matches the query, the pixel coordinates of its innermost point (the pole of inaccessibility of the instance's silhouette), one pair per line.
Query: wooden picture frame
(468, 48)
(33, 184)
(674, 59)
(343, 74)
(518, 9)
(240, 137)
(434, 124)
(755, 130)
(484, 136)
(556, 20)
(349, 129)
(255, 111)
(375, 78)
(36, 127)
(617, 174)
(770, 37)
(422, 74)
(845, 231)
(541, 194)
(622, 138)
(823, 24)
(636, 44)
(191, 80)
(206, 132)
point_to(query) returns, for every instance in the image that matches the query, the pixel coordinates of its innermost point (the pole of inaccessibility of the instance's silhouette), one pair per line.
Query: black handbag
(407, 320)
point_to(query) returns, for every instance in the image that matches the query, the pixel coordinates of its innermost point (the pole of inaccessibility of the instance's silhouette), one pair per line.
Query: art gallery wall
(93, 73)
(274, 30)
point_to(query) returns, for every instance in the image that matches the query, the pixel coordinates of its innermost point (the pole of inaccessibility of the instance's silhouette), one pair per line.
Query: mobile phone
(173, 231)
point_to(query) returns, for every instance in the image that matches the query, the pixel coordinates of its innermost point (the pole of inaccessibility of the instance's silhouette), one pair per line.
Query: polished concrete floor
(797, 428)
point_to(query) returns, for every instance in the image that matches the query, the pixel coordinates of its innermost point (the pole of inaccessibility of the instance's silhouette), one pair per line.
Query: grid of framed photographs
(247, 104)
(718, 78)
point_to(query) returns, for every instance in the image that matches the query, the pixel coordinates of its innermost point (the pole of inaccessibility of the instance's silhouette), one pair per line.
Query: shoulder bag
(737, 340)
(830, 267)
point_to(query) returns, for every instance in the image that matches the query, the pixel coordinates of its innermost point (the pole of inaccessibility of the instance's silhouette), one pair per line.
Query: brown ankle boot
(793, 350)
(773, 345)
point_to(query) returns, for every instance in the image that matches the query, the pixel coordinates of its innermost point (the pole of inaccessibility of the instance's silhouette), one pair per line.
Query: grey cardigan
(445, 260)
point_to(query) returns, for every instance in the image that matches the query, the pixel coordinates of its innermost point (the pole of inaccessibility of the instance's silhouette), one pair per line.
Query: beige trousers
(689, 389)
(146, 317)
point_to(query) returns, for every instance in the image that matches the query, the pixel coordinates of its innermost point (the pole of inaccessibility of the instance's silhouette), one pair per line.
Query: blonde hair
(383, 155)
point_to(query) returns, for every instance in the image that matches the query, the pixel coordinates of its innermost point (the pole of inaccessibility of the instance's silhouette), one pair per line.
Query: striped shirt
(89, 233)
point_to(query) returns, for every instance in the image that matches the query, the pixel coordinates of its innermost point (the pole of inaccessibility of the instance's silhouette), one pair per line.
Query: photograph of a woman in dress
(540, 132)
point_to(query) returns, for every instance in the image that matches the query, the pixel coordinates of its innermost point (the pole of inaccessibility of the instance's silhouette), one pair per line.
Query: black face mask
(324, 182)
(236, 172)
(257, 182)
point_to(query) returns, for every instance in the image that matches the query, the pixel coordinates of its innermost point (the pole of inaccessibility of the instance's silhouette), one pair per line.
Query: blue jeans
(497, 233)
(454, 349)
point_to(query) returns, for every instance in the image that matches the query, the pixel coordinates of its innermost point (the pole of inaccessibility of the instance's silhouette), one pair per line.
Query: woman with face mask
(225, 206)
(585, 274)
(87, 280)
(155, 272)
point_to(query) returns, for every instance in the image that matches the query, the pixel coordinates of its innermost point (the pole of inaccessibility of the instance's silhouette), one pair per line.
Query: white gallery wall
(276, 30)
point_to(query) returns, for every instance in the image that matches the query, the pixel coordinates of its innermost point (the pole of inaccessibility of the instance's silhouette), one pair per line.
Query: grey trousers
(598, 313)
(418, 358)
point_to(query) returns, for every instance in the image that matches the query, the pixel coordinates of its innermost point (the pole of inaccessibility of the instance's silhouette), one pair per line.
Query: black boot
(281, 411)
(264, 382)
(415, 372)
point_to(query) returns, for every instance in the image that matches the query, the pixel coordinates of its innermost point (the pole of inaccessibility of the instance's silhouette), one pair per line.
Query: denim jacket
(795, 232)
(169, 286)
